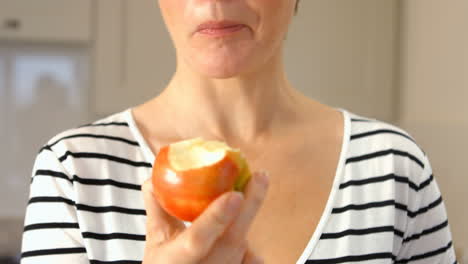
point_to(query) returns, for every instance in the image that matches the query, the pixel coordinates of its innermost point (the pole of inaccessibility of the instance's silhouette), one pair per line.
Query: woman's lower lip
(219, 32)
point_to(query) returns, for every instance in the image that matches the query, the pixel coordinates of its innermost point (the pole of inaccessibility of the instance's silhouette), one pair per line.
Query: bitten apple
(188, 175)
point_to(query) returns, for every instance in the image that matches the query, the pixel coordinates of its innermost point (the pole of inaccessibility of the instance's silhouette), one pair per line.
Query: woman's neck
(240, 111)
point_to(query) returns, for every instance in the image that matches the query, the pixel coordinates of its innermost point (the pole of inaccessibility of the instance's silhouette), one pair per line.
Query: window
(44, 90)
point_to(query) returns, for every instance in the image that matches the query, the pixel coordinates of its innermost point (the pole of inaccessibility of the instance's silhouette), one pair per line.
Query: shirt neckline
(147, 153)
(313, 241)
(333, 192)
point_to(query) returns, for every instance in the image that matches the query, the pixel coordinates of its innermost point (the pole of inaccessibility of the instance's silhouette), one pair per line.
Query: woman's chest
(294, 205)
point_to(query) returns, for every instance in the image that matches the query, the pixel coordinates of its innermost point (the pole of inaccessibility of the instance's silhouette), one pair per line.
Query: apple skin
(186, 194)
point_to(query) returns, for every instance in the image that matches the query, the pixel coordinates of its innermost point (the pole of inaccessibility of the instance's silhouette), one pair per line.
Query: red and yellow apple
(188, 175)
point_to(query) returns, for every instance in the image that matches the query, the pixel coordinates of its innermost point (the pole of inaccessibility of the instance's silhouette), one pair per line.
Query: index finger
(256, 191)
(160, 226)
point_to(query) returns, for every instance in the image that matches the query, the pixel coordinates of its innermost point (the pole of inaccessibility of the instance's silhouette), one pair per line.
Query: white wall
(339, 52)
(343, 53)
(434, 97)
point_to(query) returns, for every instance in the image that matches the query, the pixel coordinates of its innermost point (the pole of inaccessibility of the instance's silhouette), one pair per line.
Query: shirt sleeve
(427, 238)
(51, 229)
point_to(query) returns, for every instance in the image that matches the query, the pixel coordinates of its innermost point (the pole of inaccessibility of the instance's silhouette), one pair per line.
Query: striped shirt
(86, 204)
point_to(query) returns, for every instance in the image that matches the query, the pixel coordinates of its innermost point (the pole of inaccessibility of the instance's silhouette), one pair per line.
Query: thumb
(160, 226)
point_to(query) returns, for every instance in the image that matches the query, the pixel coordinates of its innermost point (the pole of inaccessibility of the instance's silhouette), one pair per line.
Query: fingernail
(264, 177)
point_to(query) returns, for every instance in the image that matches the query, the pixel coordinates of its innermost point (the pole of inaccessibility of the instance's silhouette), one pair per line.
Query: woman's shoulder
(107, 140)
(388, 195)
(112, 128)
(373, 141)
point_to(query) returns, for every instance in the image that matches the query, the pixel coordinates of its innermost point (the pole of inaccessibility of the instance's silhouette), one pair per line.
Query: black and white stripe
(86, 204)
(90, 136)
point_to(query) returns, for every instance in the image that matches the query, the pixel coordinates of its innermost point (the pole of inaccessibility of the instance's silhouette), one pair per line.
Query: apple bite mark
(188, 175)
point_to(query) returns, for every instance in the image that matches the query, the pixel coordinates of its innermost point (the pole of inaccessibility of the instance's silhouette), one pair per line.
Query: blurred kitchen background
(64, 63)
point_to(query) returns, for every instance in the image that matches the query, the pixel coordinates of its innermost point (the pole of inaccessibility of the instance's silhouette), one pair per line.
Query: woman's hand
(218, 235)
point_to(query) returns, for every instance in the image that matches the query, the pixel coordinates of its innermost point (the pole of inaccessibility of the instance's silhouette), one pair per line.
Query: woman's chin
(221, 63)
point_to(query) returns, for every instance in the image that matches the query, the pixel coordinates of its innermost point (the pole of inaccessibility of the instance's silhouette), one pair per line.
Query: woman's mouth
(219, 29)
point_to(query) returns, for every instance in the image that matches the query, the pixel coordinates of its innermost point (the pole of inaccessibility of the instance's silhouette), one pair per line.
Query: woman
(340, 188)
